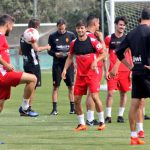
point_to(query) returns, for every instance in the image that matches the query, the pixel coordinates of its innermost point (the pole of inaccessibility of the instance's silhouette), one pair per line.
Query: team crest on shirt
(67, 40)
(98, 46)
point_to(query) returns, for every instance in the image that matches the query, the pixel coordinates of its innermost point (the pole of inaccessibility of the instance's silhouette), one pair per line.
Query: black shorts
(57, 71)
(140, 86)
(34, 69)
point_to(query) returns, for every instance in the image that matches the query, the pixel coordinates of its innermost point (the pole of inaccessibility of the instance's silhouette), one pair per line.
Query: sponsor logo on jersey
(137, 60)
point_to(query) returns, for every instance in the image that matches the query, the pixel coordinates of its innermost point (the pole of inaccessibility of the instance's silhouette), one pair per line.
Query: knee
(110, 94)
(34, 78)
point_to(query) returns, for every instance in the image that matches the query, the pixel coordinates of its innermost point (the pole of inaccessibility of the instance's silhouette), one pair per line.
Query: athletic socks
(134, 134)
(108, 111)
(139, 127)
(54, 106)
(72, 107)
(121, 111)
(81, 119)
(25, 104)
(101, 116)
(90, 115)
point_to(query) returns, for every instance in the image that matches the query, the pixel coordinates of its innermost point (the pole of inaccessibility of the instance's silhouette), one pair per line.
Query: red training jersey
(4, 52)
(111, 42)
(85, 51)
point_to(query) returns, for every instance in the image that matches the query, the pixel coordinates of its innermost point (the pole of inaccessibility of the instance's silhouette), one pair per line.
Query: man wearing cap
(60, 43)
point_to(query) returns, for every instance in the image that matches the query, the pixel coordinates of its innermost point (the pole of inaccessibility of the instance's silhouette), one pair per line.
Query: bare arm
(38, 48)
(67, 64)
(9, 67)
(96, 60)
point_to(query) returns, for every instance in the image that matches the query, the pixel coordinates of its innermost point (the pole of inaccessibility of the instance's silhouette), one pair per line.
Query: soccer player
(138, 41)
(120, 82)
(88, 52)
(93, 25)
(31, 62)
(60, 43)
(8, 76)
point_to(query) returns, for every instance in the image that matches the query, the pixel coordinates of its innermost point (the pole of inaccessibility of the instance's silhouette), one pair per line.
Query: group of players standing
(90, 51)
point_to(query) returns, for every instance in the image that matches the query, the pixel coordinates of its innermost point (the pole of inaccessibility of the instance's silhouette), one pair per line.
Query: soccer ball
(31, 35)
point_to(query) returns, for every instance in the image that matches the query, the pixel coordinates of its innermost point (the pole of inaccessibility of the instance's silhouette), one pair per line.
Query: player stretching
(88, 52)
(120, 82)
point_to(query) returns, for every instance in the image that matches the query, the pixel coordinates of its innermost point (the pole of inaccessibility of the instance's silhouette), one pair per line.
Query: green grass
(56, 132)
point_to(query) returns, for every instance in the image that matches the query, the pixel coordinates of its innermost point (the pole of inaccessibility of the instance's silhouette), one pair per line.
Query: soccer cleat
(101, 126)
(136, 141)
(54, 112)
(146, 117)
(92, 123)
(120, 119)
(72, 112)
(141, 134)
(27, 112)
(81, 127)
(108, 120)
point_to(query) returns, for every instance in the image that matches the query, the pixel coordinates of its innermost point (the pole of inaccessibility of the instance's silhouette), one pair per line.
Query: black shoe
(92, 123)
(72, 112)
(146, 117)
(54, 112)
(120, 119)
(108, 120)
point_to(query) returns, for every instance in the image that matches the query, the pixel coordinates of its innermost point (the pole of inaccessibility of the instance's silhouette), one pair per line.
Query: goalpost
(129, 8)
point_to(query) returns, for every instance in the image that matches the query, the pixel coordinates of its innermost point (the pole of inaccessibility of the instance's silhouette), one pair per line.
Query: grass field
(56, 132)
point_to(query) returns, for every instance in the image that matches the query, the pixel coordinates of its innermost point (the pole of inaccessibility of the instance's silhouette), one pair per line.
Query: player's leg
(90, 106)
(80, 115)
(30, 81)
(56, 74)
(99, 109)
(146, 117)
(139, 121)
(33, 69)
(124, 84)
(94, 87)
(123, 100)
(111, 87)
(80, 89)
(109, 103)
(70, 84)
(135, 104)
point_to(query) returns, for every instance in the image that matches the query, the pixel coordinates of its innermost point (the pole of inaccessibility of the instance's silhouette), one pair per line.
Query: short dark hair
(6, 18)
(34, 23)
(121, 18)
(61, 22)
(145, 15)
(90, 18)
(81, 23)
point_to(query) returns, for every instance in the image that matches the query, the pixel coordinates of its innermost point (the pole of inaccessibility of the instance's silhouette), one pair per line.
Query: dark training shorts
(140, 86)
(34, 69)
(57, 71)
